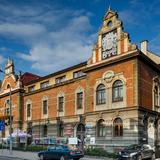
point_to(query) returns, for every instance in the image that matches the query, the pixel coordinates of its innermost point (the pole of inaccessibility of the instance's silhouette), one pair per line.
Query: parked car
(137, 152)
(60, 152)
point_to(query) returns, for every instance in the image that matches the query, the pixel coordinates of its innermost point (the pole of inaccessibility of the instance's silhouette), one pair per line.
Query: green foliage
(99, 152)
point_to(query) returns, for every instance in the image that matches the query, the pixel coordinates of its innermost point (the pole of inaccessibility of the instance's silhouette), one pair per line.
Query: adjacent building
(111, 100)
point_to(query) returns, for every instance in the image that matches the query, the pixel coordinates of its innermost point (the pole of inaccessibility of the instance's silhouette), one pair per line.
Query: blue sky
(44, 36)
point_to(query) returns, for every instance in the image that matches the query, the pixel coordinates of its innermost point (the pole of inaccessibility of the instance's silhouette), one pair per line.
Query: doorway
(81, 135)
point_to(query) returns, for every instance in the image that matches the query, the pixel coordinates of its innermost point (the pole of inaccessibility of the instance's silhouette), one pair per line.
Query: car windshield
(133, 147)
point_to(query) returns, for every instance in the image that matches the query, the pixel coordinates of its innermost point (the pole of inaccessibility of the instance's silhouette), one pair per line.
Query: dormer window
(60, 79)
(45, 84)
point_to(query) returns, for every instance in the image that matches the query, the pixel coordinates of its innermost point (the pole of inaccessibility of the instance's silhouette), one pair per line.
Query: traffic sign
(2, 125)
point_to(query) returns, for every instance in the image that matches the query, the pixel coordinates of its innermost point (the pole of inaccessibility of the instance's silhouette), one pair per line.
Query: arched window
(101, 128)
(8, 86)
(118, 127)
(117, 91)
(101, 94)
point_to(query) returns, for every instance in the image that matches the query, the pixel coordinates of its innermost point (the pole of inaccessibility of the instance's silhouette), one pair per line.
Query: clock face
(109, 44)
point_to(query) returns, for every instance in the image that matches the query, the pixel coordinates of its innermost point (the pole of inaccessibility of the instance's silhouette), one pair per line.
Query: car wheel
(62, 158)
(139, 157)
(41, 157)
(153, 157)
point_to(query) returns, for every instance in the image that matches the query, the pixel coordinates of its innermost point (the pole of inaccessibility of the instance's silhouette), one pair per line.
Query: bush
(99, 152)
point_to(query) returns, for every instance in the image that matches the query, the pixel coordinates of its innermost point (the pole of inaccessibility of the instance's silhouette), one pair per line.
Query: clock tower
(9, 68)
(112, 41)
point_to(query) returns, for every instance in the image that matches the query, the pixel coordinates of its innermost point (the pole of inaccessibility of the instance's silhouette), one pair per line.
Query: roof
(28, 77)
(57, 73)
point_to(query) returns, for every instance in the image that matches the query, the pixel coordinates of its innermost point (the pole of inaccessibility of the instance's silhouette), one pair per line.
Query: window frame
(44, 84)
(60, 103)
(60, 79)
(29, 110)
(117, 88)
(100, 92)
(101, 128)
(118, 127)
(31, 88)
(79, 100)
(78, 74)
(46, 110)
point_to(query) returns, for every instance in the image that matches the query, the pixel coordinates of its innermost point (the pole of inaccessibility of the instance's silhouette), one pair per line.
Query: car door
(59, 151)
(52, 153)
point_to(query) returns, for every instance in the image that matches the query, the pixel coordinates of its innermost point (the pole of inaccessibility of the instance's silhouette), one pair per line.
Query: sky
(45, 36)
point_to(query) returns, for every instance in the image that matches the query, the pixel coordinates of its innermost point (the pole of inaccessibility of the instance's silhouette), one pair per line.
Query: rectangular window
(60, 103)
(60, 79)
(80, 100)
(31, 88)
(28, 110)
(7, 111)
(45, 84)
(78, 74)
(45, 107)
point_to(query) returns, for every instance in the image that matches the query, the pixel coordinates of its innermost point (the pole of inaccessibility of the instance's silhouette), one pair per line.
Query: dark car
(137, 152)
(60, 152)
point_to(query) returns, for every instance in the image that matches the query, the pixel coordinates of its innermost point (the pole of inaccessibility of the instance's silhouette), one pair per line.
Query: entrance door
(81, 135)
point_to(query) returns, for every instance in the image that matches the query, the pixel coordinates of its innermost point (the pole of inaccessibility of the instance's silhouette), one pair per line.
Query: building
(111, 100)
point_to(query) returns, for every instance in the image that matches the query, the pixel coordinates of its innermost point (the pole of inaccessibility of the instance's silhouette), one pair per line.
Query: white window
(44, 84)
(60, 79)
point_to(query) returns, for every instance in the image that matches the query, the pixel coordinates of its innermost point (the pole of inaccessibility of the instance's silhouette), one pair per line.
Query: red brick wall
(68, 90)
(146, 74)
(128, 70)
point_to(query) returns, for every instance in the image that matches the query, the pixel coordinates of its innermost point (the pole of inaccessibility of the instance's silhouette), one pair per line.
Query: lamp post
(10, 118)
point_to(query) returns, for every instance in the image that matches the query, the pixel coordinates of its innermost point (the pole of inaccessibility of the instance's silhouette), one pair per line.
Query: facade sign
(73, 140)
(109, 44)
(92, 140)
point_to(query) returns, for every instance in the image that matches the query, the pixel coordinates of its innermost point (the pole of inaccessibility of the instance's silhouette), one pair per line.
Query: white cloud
(56, 37)
(21, 30)
(61, 48)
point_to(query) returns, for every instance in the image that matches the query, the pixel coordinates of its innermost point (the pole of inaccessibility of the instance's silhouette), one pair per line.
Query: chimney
(144, 46)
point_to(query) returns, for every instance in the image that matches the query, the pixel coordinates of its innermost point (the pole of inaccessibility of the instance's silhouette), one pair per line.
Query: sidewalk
(19, 154)
(33, 155)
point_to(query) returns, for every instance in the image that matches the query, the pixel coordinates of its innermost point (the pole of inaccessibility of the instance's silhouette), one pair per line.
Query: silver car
(137, 152)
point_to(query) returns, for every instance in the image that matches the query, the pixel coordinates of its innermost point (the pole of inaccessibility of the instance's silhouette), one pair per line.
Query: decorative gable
(112, 41)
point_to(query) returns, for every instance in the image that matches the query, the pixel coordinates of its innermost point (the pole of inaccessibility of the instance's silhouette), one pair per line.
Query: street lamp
(10, 118)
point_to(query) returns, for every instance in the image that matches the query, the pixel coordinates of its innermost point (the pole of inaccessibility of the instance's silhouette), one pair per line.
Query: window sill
(115, 101)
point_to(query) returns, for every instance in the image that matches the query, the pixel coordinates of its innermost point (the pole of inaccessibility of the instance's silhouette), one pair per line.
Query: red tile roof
(28, 77)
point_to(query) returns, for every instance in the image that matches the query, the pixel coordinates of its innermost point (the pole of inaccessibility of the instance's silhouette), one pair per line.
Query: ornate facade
(111, 100)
